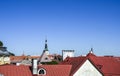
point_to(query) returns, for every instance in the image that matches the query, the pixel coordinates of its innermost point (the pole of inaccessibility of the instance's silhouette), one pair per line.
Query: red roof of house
(20, 58)
(13, 70)
(56, 70)
(22, 70)
(76, 62)
(108, 65)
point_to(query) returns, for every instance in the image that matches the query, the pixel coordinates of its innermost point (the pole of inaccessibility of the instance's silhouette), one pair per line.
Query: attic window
(41, 71)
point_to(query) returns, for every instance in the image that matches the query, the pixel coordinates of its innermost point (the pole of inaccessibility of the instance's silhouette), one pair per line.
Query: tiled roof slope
(110, 66)
(13, 70)
(22, 70)
(76, 62)
(17, 58)
(56, 70)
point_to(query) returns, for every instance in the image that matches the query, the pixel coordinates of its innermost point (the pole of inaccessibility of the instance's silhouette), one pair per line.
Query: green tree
(1, 44)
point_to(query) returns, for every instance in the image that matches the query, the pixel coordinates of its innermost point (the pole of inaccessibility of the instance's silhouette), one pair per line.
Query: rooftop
(109, 65)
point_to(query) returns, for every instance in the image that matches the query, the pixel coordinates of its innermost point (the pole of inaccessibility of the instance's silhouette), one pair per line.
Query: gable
(45, 58)
(87, 69)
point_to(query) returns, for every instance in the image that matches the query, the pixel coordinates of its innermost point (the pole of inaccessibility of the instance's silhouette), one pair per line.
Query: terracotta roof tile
(22, 70)
(56, 70)
(12, 58)
(13, 70)
(76, 62)
(108, 65)
(20, 58)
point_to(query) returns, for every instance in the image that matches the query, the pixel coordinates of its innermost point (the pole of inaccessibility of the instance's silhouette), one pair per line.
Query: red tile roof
(13, 70)
(20, 58)
(109, 66)
(57, 70)
(22, 70)
(76, 62)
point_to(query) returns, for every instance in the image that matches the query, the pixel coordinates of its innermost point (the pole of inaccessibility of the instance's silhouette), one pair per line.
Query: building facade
(67, 53)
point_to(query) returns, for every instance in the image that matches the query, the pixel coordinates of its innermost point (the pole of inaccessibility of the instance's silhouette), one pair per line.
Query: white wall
(66, 54)
(43, 58)
(4, 60)
(87, 69)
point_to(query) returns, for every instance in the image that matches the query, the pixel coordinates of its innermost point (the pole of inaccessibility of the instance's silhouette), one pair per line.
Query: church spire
(46, 47)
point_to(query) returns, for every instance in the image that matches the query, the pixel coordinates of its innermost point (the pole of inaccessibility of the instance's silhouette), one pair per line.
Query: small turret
(91, 51)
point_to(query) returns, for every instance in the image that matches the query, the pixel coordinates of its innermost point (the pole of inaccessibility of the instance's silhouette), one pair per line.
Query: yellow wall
(4, 60)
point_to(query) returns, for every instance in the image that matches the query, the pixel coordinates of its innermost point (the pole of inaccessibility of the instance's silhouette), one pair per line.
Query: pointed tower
(46, 48)
(45, 55)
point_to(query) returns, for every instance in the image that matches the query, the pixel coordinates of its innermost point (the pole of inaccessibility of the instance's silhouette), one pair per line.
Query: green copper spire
(46, 47)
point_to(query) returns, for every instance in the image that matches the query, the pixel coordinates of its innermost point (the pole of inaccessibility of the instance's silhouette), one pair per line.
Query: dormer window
(41, 71)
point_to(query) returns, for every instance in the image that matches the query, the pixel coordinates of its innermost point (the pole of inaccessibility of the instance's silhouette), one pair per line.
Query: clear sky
(68, 24)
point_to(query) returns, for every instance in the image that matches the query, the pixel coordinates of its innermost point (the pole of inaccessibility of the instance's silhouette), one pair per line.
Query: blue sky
(68, 24)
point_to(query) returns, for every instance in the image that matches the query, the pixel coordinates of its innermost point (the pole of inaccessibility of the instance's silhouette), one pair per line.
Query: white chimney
(17, 64)
(34, 66)
(1, 75)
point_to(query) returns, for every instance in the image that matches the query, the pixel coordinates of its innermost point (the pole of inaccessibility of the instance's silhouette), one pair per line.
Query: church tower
(45, 55)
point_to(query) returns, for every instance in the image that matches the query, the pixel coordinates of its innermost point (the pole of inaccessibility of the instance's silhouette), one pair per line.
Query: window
(41, 71)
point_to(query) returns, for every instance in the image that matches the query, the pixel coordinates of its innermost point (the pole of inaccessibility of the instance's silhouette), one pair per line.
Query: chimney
(1, 74)
(34, 66)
